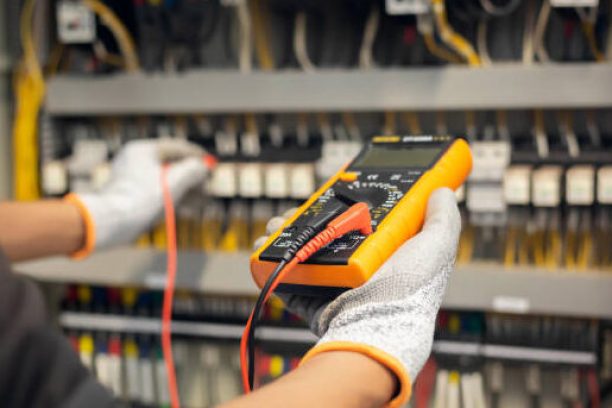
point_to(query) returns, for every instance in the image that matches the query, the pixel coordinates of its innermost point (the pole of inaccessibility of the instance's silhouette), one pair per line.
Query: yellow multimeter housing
(394, 175)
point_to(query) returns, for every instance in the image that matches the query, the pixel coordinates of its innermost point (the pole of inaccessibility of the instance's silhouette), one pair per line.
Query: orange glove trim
(90, 227)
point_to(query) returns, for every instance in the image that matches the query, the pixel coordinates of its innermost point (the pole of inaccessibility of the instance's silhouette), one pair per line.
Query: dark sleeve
(38, 367)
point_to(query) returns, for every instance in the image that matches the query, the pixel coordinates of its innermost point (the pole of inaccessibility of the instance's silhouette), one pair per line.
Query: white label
(490, 160)
(302, 183)
(116, 377)
(276, 180)
(133, 379)
(574, 3)
(334, 155)
(103, 372)
(604, 185)
(397, 7)
(485, 198)
(101, 176)
(510, 304)
(580, 185)
(146, 380)
(224, 180)
(54, 178)
(75, 23)
(546, 186)
(517, 185)
(251, 182)
(163, 394)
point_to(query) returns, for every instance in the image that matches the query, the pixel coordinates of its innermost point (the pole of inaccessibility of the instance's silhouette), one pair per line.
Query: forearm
(31, 230)
(331, 379)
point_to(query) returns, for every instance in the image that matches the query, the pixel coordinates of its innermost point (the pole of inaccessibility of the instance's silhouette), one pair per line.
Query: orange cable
(166, 334)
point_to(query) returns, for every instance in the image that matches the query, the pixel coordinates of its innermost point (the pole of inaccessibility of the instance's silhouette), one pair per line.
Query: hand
(132, 201)
(392, 317)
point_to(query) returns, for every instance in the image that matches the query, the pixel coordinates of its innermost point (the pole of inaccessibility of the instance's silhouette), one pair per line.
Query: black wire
(256, 312)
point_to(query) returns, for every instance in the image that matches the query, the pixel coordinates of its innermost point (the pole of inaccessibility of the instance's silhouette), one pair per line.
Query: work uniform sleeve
(38, 366)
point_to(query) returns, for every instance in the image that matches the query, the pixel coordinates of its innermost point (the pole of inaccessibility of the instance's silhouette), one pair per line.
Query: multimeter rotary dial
(380, 197)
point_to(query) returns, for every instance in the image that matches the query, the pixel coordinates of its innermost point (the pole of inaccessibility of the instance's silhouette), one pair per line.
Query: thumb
(184, 175)
(436, 244)
(442, 224)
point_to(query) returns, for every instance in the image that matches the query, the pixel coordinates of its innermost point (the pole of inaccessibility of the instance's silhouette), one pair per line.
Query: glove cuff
(89, 225)
(390, 362)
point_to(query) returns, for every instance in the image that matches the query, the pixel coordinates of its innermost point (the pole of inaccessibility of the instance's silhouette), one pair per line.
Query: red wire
(593, 387)
(166, 334)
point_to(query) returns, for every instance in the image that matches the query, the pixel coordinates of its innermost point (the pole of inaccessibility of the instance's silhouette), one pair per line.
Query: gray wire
(500, 11)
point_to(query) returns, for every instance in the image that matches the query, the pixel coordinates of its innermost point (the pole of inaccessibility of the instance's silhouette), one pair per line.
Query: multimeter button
(349, 176)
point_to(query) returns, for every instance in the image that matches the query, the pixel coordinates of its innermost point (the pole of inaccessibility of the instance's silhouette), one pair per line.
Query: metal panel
(478, 286)
(512, 86)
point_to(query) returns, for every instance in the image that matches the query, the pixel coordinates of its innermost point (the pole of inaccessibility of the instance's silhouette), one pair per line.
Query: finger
(259, 242)
(171, 149)
(184, 175)
(440, 233)
(274, 224)
(289, 213)
(442, 216)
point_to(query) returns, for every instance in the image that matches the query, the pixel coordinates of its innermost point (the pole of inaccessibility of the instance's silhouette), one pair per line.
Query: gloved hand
(392, 317)
(132, 200)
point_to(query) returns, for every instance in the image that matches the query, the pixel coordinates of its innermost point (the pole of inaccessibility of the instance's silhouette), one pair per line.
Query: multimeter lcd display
(382, 157)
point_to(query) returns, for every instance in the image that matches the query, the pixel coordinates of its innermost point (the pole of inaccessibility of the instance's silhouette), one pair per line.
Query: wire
(527, 56)
(541, 138)
(166, 333)
(425, 27)
(29, 93)
(566, 123)
(437, 51)
(355, 218)
(412, 122)
(259, 12)
(451, 38)
(244, 19)
(300, 47)
(540, 32)
(120, 32)
(389, 124)
(587, 22)
(500, 11)
(366, 58)
(483, 50)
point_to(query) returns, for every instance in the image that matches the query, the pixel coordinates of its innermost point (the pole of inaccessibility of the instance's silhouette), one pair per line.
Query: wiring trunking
(539, 198)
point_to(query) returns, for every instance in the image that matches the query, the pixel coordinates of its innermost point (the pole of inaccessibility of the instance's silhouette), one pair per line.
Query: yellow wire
(585, 251)
(438, 51)
(553, 253)
(466, 245)
(588, 29)
(122, 35)
(389, 125)
(510, 247)
(451, 38)
(259, 13)
(524, 245)
(570, 247)
(412, 122)
(29, 94)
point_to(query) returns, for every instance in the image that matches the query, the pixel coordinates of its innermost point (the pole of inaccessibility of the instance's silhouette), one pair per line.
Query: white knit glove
(132, 201)
(392, 317)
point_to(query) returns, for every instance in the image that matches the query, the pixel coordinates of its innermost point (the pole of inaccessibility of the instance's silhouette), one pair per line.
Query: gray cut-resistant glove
(391, 318)
(132, 201)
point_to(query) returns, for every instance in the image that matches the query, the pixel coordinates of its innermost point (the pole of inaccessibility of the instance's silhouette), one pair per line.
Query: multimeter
(394, 176)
